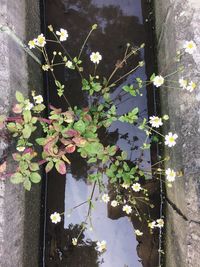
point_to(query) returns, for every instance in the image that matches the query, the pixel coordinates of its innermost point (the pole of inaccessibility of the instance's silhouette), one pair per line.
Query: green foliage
(130, 117)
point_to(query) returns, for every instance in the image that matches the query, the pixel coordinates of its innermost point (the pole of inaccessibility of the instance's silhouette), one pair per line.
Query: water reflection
(118, 232)
(120, 22)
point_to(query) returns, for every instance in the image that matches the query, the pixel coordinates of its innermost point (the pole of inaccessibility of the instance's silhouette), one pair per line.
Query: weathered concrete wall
(19, 211)
(178, 21)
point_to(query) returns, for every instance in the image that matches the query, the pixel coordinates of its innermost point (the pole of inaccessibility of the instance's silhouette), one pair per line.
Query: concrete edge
(19, 211)
(176, 22)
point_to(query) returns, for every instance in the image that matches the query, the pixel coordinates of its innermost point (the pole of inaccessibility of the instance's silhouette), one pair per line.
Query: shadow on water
(120, 22)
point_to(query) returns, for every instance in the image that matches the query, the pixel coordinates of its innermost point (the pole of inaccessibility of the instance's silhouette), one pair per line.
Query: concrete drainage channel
(176, 22)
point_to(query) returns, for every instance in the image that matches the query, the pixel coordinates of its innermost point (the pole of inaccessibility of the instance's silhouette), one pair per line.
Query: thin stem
(84, 43)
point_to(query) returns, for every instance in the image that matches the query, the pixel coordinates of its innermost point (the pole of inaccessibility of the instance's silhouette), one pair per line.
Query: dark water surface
(119, 22)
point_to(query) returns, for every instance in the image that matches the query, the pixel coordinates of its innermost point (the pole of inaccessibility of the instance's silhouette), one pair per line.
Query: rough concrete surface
(19, 211)
(178, 21)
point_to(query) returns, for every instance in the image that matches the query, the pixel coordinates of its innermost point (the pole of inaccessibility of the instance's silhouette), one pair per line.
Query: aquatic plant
(77, 130)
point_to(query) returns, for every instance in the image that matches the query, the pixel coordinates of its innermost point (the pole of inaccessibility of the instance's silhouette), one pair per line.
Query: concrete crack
(179, 212)
(176, 209)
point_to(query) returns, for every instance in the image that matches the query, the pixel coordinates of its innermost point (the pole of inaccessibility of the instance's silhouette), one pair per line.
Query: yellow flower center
(171, 139)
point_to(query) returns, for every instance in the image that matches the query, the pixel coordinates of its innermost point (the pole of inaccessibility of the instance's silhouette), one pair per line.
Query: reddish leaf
(56, 110)
(70, 148)
(65, 141)
(60, 167)
(2, 125)
(86, 109)
(17, 109)
(79, 141)
(49, 166)
(16, 156)
(72, 133)
(3, 167)
(87, 117)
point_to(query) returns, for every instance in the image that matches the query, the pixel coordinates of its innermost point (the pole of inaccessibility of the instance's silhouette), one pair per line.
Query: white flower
(170, 139)
(114, 203)
(165, 117)
(158, 81)
(160, 223)
(138, 232)
(171, 174)
(74, 241)
(50, 27)
(69, 64)
(183, 83)
(155, 121)
(31, 44)
(20, 148)
(105, 198)
(136, 187)
(45, 67)
(40, 41)
(38, 99)
(101, 246)
(152, 225)
(28, 105)
(95, 57)
(63, 34)
(127, 209)
(190, 47)
(125, 185)
(191, 86)
(55, 217)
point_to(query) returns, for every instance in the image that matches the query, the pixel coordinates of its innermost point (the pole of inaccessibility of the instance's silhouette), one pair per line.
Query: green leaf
(49, 166)
(80, 126)
(27, 116)
(16, 156)
(124, 155)
(40, 141)
(27, 184)
(23, 165)
(35, 177)
(92, 160)
(11, 127)
(34, 167)
(152, 77)
(19, 96)
(39, 108)
(27, 131)
(17, 178)
(94, 148)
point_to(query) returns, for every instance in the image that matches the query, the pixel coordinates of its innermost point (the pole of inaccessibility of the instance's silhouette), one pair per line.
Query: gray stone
(19, 211)
(176, 22)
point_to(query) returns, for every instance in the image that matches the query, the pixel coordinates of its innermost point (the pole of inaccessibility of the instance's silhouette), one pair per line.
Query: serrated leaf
(35, 177)
(34, 167)
(92, 160)
(124, 155)
(80, 126)
(27, 116)
(27, 184)
(26, 131)
(40, 141)
(19, 96)
(49, 166)
(61, 167)
(17, 178)
(39, 108)
(3, 167)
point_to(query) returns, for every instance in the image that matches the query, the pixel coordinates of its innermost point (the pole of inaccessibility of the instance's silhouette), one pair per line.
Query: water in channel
(119, 22)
